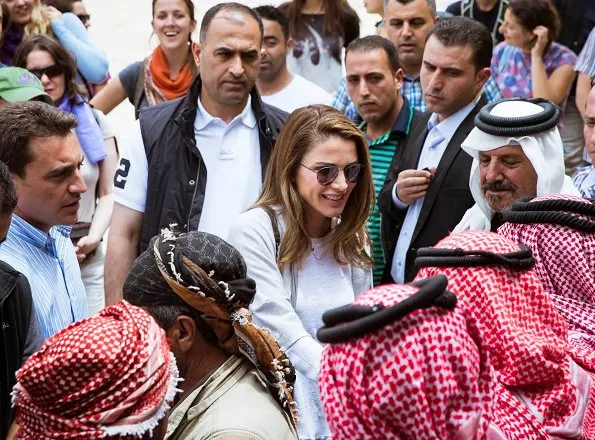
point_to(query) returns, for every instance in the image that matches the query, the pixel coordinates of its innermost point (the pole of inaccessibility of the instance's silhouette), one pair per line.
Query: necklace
(315, 248)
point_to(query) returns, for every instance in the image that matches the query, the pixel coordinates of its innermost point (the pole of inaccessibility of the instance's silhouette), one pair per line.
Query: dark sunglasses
(50, 71)
(84, 17)
(327, 175)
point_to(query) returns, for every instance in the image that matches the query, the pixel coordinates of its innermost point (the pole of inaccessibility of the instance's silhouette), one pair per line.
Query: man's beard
(496, 200)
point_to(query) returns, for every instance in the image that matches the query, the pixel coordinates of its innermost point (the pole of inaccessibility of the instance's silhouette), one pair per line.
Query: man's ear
(399, 78)
(196, 53)
(183, 333)
(289, 44)
(483, 75)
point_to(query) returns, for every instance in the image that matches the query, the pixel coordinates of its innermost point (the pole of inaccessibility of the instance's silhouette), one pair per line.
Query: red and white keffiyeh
(424, 376)
(526, 338)
(565, 265)
(108, 376)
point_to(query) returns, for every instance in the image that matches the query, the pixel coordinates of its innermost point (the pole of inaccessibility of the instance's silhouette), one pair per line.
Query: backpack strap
(292, 270)
(275, 224)
(139, 88)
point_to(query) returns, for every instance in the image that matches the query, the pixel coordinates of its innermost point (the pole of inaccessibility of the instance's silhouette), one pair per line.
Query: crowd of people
(307, 233)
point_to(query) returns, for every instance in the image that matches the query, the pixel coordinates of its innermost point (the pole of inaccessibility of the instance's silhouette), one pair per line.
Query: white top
(322, 284)
(90, 173)
(298, 93)
(231, 153)
(439, 136)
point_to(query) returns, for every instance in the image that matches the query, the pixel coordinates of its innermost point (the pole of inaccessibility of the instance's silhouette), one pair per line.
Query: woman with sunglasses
(32, 17)
(164, 75)
(52, 64)
(305, 242)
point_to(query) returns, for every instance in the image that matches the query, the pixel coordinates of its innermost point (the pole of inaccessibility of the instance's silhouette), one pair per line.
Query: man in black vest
(198, 161)
(427, 189)
(20, 333)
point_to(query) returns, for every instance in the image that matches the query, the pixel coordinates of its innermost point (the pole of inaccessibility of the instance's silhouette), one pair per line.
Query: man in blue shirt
(44, 157)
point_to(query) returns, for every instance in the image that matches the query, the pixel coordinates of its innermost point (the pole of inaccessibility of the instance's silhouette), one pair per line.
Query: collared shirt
(584, 181)
(382, 150)
(439, 136)
(231, 153)
(411, 89)
(48, 260)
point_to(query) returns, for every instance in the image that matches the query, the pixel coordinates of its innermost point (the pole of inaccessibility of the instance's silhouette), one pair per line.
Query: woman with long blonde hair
(305, 242)
(32, 17)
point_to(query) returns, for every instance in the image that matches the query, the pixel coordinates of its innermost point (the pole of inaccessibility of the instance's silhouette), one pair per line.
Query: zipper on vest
(193, 195)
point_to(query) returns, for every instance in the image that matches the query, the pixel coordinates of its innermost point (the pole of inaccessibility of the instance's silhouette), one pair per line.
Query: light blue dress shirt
(439, 136)
(48, 260)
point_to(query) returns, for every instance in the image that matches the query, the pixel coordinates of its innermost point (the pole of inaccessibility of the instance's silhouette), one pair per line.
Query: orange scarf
(158, 85)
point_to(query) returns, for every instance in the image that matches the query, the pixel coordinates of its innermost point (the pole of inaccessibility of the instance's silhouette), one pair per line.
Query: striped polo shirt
(48, 260)
(382, 150)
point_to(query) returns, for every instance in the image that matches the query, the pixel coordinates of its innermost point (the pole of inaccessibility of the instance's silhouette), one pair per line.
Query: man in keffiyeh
(423, 376)
(525, 337)
(237, 380)
(111, 376)
(517, 152)
(561, 232)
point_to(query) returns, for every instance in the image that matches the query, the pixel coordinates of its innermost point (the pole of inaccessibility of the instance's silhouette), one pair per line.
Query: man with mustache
(276, 84)
(426, 191)
(197, 161)
(374, 81)
(525, 160)
(41, 150)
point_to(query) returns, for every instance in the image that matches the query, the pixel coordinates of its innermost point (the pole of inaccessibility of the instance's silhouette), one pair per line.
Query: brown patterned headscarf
(208, 274)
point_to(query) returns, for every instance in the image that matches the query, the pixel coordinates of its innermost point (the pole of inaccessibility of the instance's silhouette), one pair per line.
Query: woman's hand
(85, 246)
(53, 13)
(541, 39)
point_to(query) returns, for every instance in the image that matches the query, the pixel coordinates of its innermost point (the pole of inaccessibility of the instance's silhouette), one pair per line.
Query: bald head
(234, 14)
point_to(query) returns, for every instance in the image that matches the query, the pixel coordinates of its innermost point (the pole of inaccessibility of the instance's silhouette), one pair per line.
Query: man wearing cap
(18, 85)
(517, 152)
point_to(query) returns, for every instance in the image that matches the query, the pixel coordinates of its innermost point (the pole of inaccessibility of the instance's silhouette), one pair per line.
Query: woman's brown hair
(337, 13)
(533, 13)
(62, 59)
(303, 130)
(190, 8)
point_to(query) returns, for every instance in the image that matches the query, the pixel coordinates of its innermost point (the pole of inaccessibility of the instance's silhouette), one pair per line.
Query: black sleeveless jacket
(15, 315)
(177, 175)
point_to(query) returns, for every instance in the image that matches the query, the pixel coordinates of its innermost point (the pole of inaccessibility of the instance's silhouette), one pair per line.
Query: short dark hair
(463, 31)
(21, 121)
(271, 13)
(231, 6)
(533, 13)
(376, 42)
(60, 5)
(8, 193)
(61, 56)
(431, 4)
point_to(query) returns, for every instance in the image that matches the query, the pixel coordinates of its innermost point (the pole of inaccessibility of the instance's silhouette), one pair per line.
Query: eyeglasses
(50, 71)
(84, 18)
(327, 175)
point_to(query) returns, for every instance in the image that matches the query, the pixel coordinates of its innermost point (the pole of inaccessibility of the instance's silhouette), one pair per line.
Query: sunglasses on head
(50, 71)
(84, 17)
(327, 174)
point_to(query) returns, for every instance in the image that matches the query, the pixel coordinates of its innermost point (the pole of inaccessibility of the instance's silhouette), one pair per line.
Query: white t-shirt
(231, 153)
(298, 93)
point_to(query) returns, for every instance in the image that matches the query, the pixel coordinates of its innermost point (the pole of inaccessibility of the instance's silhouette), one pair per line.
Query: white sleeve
(252, 235)
(130, 180)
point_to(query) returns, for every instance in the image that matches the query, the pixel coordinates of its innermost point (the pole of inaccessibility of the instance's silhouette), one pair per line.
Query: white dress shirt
(439, 136)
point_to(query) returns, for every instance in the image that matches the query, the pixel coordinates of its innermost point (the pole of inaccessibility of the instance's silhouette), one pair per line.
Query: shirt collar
(203, 118)
(38, 238)
(400, 126)
(412, 79)
(449, 125)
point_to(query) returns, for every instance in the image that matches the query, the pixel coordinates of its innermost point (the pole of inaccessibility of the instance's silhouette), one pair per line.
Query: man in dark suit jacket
(427, 191)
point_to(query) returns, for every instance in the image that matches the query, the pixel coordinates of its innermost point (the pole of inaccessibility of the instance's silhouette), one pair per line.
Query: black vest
(15, 316)
(177, 175)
